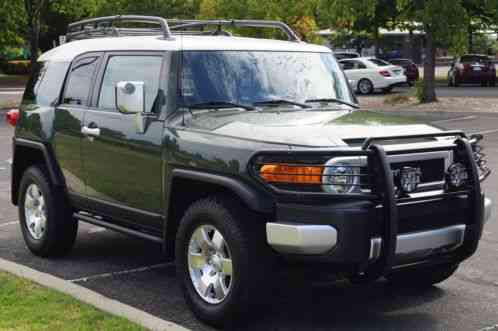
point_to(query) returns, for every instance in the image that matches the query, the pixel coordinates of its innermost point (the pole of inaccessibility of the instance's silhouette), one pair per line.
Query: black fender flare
(257, 200)
(54, 171)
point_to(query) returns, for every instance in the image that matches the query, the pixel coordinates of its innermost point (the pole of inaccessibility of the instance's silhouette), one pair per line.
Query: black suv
(239, 156)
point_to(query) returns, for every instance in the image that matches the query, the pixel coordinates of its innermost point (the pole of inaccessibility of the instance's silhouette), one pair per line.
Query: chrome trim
(93, 132)
(488, 209)
(400, 158)
(449, 237)
(300, 238)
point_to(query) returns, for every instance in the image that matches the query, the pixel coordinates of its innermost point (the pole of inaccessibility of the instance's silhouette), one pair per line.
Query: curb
(91, 298)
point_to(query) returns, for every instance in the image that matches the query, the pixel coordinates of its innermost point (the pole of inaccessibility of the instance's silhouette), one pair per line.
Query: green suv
(239, 156)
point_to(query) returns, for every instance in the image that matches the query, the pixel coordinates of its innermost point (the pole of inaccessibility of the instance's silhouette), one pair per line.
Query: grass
(26, 306)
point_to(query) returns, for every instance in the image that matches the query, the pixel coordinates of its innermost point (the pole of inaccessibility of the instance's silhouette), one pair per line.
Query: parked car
(370, 74)
(411, 69)
(237, 156)
(346, 55)
(472, 69)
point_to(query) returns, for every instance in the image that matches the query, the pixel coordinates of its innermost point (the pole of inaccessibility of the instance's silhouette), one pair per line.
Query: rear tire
(47, 224)
(365, 86)
(245, 284)
(423, 277)
(492, 83)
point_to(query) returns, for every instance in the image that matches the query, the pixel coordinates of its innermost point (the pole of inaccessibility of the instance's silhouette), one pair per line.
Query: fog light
(456, 175)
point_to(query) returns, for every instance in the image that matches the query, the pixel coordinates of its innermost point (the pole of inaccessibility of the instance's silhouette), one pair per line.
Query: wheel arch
(188, 186)
(27, 153)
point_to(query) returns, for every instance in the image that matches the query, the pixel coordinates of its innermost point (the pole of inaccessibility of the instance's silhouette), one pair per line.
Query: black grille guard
(383, 191)
(385, 187)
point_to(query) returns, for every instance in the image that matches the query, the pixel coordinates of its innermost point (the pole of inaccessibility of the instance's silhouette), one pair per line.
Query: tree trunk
(376, 41)
(33, 13)
(429, 93)
(471, 38)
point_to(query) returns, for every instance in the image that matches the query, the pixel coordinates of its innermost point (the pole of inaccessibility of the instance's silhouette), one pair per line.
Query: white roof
(67, 52)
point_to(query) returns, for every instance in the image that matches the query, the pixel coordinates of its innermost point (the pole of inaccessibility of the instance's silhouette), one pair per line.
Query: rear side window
(44, 86)
(146, 68)
(379, 63)
(81, 78)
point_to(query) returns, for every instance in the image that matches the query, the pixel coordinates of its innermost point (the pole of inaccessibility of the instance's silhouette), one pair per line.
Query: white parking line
(490, 328)
(465, 118)
(8, 223)
(118, 273)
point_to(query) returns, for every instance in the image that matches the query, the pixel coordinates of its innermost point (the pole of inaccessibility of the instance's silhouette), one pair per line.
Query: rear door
(123, 166)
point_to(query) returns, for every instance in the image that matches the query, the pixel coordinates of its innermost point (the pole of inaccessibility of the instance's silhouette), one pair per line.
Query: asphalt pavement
(134, 272)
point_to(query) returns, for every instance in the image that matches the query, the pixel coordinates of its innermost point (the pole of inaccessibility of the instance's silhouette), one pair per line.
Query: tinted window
(80, 80)
(359, 65)
(145, 69)
(347, 65)
(379, 63)
(474, 59)
(253, 76)
(45, 84)
(401, 62)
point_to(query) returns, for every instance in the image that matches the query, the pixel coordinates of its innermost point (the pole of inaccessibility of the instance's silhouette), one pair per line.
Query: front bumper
(320, 239)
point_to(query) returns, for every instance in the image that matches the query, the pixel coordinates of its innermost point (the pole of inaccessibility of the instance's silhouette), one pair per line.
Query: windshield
(251, 77)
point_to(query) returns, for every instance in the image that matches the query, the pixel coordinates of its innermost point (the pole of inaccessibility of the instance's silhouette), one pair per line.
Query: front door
(122, 164)
(69, 117)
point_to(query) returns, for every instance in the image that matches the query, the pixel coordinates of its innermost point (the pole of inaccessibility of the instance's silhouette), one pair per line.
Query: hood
(308, 128)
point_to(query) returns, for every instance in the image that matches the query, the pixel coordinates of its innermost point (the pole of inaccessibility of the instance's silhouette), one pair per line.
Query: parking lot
(134, 272)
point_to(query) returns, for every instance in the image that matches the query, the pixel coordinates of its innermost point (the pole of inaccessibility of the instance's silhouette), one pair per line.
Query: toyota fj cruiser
(236, 154)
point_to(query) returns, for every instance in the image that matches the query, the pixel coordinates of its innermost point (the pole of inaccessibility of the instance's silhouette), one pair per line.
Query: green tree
(445, 25)
(12, 22)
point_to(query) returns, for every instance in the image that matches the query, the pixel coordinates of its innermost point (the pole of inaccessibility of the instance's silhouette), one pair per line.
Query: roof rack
(186, 25)
(105, 27)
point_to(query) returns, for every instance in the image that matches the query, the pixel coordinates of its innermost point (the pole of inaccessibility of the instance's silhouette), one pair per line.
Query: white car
(370, 74)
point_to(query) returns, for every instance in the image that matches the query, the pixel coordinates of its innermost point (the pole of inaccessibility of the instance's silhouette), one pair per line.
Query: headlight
(342, 175)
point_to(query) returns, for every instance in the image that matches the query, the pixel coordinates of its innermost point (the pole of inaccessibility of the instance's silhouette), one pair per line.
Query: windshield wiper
(219, 105)
(276, 102)
(329, 100)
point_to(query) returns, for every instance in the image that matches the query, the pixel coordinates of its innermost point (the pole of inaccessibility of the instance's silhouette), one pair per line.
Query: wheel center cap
(216, 262)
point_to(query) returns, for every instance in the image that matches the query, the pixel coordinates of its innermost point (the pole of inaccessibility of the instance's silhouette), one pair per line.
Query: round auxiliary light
(456, 175)
(341, 177)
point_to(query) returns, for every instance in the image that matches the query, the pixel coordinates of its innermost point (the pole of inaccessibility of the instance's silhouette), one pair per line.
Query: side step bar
(117, 228)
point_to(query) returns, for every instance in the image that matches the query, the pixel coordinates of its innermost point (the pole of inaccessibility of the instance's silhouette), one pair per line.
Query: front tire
(46, 220)
(423, 277)
(221, 260)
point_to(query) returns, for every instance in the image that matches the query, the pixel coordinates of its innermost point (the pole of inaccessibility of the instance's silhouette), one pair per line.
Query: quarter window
(80, 80)
(145, 69)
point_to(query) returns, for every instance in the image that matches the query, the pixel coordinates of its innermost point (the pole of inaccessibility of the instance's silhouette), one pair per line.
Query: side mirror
(130, 97)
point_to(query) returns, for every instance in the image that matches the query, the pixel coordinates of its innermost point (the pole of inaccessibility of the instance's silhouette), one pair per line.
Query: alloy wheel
(210, 264)
(35, 212)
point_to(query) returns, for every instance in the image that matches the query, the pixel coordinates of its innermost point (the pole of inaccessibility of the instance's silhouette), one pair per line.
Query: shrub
(16, 67)
(419, 90)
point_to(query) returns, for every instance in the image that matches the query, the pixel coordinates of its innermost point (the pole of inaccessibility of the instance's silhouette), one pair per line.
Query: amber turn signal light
(281, 173)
